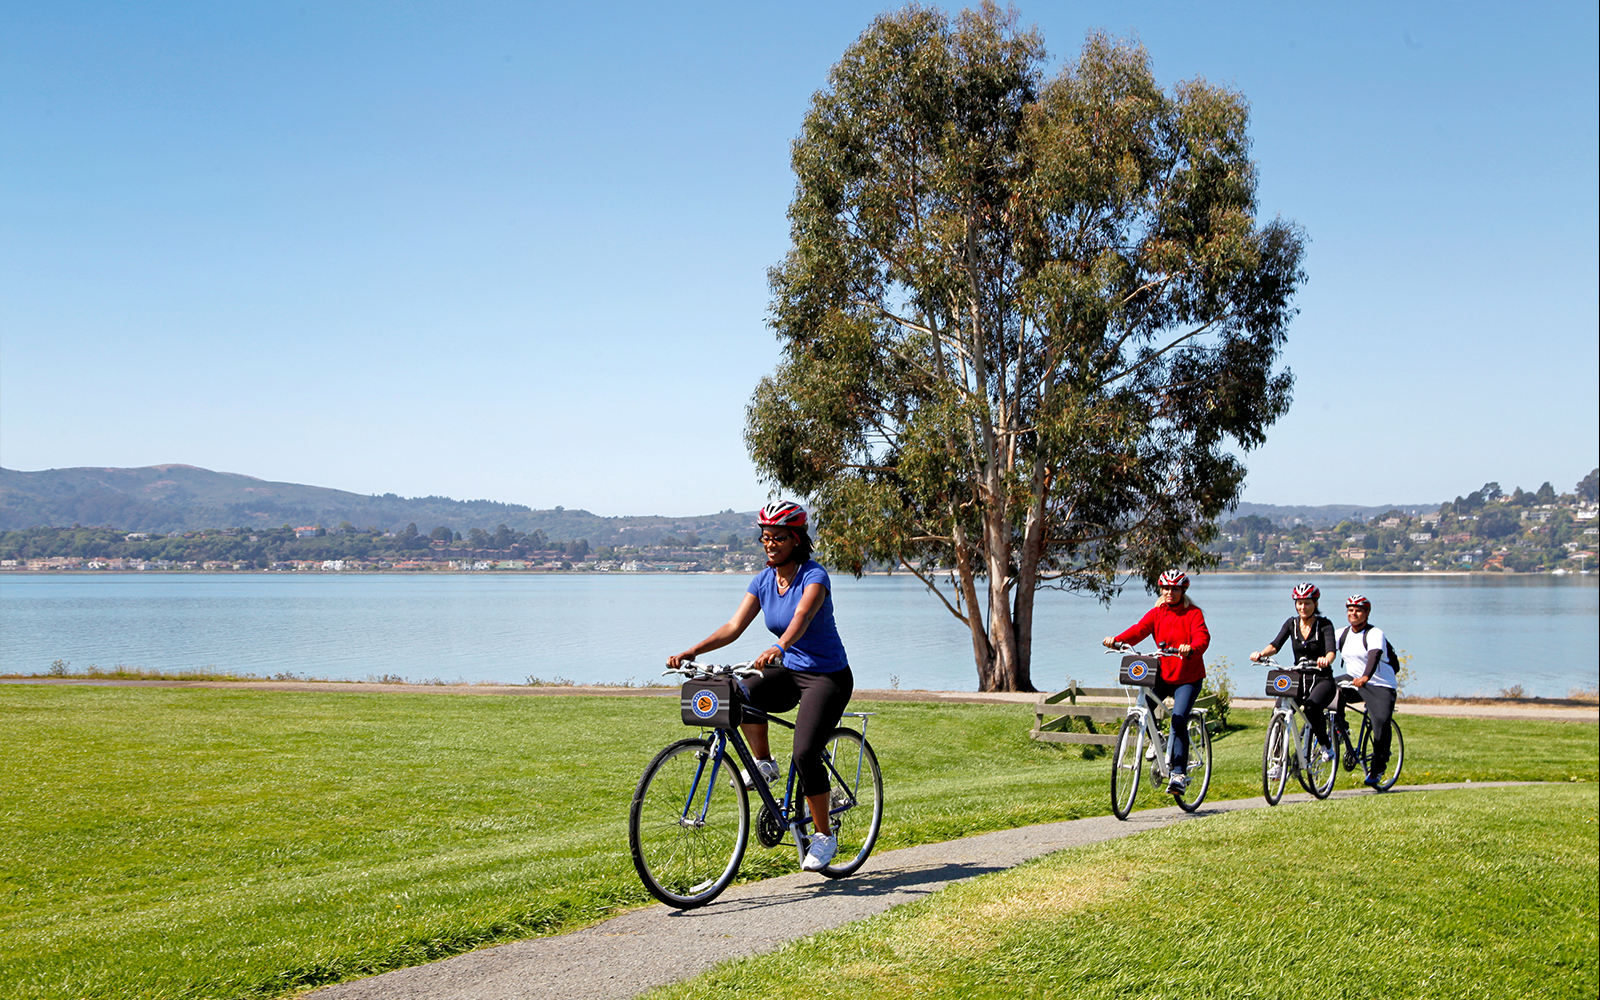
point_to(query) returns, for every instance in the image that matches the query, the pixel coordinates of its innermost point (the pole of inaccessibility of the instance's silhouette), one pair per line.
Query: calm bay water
(1468, 634)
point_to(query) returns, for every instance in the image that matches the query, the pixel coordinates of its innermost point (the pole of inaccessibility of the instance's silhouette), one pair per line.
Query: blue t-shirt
(819, 651)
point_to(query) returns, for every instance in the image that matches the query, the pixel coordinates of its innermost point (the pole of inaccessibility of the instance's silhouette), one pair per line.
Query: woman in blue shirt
(805, 667)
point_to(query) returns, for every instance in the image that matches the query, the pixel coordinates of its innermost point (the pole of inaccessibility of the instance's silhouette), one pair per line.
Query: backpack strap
(1345, 632)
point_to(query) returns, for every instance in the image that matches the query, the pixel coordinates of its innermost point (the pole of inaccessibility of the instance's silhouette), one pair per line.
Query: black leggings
(821, 697)
(1380, 709)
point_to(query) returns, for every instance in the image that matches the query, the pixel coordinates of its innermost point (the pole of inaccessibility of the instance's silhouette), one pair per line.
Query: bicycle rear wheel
(856, 802)
(1126, 764)
(689, 824)
(1275, 760)
(1397, 753)
(1318, 775)
(1199, 771)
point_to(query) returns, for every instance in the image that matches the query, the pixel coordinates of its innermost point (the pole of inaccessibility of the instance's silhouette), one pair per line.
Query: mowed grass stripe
(202, 842)
(1487, 893)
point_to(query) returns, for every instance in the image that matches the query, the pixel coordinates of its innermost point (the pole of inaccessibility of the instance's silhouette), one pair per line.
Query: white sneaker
(821, 851)
(767, 768)
(1275, 772)
(1179, 783)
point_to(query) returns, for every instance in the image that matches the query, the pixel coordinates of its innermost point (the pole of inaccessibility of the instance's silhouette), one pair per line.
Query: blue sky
(519, 252)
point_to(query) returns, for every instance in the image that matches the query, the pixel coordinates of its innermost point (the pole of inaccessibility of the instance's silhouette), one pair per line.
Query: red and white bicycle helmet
(782, 514)
(1357, 601)
(1173, 578)
(1307, 592)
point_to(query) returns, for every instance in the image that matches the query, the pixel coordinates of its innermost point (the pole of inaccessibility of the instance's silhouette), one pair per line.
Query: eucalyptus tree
(1027, 322)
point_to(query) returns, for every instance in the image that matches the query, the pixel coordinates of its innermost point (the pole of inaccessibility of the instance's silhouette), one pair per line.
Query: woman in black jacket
(1312, 638)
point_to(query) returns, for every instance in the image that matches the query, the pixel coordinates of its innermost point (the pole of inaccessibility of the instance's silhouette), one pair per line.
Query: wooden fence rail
(1063, 708)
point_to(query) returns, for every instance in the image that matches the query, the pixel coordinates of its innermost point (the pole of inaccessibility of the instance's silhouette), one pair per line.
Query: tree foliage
(1025, 321)
(1588, 488)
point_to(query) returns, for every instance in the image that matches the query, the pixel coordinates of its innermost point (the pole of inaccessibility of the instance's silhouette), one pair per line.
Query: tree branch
(1144, 361)
(915, 571)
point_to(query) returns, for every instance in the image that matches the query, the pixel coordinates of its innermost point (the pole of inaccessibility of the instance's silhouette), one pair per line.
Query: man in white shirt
(1363, 655)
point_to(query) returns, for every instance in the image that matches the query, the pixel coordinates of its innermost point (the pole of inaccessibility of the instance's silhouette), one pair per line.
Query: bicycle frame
(1341, 727)
(1161, 767)
(789, 810)
(1290, 710)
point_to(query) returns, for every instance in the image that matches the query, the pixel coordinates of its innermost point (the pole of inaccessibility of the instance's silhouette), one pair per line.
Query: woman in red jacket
(1179, 625)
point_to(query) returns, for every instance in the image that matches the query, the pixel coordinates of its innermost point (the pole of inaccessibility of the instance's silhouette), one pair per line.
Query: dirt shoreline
(1551, 709)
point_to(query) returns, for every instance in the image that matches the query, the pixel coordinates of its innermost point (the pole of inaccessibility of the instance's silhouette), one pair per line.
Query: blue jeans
(1183, 696)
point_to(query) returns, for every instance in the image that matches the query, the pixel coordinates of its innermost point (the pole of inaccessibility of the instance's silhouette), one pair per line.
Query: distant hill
(1325, 515)
(168, 498)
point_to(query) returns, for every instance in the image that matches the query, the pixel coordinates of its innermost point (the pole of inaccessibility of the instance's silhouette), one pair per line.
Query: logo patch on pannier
(710, 701)
(1287, 683)
(706, 704)
(1140, 670)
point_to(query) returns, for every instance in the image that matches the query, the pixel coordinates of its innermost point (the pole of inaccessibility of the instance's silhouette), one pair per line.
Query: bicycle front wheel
(1275, 760)
(855, 809)
(1125, 767)
(1199, 765)
(1397, 753)
(1319, 774)
(689, 824)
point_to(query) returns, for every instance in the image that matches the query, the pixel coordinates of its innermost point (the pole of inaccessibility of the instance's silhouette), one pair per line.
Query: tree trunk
(1008, 672)
(1028, 578)
(982, 651)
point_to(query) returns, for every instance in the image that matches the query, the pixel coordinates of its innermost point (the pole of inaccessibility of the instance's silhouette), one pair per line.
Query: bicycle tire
(1199, 759)
(1397, 753)
(1275, 753)
(1318, 776)
(856, 820)
(689, 824)
(1126, 764)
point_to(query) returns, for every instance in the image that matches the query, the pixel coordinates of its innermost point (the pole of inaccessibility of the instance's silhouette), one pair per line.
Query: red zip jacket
(1175, 627)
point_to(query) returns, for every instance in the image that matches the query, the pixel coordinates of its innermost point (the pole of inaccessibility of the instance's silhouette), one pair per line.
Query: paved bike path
(638, 951)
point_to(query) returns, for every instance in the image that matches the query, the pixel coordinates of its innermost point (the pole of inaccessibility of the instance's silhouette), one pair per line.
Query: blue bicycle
(690, 821)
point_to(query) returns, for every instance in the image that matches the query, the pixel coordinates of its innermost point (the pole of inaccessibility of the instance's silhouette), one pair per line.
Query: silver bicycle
(1141, 740)
(1290, 744)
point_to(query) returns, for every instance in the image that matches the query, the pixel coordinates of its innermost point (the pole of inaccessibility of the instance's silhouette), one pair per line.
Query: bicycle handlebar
(1304, 663)
(695, 670)
(1122, 647)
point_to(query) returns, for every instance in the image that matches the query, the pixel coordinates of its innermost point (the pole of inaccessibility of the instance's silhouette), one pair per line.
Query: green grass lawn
(194, 842)
(1487, 893)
